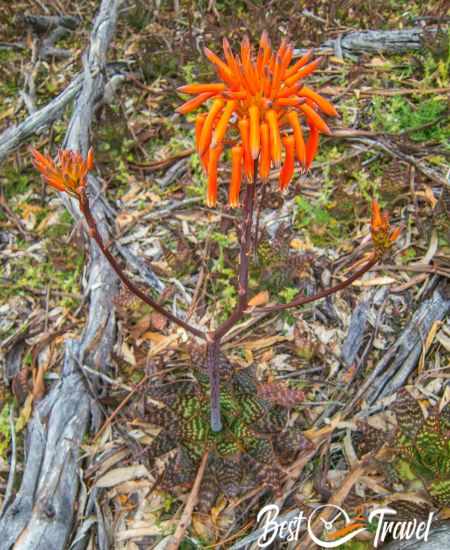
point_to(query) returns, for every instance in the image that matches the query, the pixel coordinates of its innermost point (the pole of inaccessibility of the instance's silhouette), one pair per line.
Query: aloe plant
(255, 443)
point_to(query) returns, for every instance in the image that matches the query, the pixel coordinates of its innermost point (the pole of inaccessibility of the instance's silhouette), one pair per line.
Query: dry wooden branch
(186, 517)
(392, 41)
(41, 515)
(401, 359)
(45, 23)
(15, 136)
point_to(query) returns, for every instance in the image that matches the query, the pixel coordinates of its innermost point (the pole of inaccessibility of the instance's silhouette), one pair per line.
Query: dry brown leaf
(127, 354)
(260, 299)
(39, 383)
(141, 326)
(429, 340)
(121, 475)
(375, 281)
(164, 343)
(266, 342)
(19, 385)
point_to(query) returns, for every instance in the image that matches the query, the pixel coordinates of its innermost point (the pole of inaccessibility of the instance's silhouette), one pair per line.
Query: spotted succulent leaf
(408, 412)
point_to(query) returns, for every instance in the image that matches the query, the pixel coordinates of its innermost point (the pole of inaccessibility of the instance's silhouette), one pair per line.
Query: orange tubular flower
(312, 145)
(264, 161)
(244, 129)
(298, 136)
(68, 174)
(257, 96)
(236, 175)
(383, 237)
(214, 156)
(287, 171)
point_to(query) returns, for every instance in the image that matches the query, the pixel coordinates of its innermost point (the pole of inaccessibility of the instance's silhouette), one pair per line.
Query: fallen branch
(15, 136)
(44, 23)
(393, 41)
(41, 514)
(186, 517)
(401, 359)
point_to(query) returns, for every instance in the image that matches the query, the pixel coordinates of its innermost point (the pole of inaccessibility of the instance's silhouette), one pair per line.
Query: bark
(377, 42)
(41, 515)
(13, 137)
(391, 373)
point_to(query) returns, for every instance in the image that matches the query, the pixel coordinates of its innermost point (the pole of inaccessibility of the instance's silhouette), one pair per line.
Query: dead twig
(186, 517)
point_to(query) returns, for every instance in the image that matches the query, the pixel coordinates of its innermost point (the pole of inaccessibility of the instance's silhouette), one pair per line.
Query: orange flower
(383, 236)
(256, 97)
(68, 174)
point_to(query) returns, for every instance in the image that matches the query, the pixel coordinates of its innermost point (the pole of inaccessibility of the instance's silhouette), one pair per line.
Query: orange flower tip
(90, 159)
(395, 234)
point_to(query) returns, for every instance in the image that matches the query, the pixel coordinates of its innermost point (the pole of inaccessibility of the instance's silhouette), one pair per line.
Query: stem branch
(86, 211)
(300, 299)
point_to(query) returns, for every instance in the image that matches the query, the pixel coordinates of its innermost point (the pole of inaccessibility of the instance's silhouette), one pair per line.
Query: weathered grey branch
(392, 41)
(401, 359)
(41, 515)
(16, 135)
(45, 23)
(375, 42)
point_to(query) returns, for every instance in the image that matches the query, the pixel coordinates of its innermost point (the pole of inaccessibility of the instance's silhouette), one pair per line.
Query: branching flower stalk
(257, 107)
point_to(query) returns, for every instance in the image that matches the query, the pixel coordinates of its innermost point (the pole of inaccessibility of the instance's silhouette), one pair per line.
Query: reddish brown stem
(86, 211)
(245, 249)
(213, 345)
(300, 300)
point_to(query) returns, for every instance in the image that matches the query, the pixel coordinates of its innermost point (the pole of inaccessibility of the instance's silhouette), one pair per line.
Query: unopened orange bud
(383, 237)
(323, 104)
(274, 133)
(312, 145)
(222, 125)
(298, 136)
(205, 137)
(314, 118)
(244, 129)
(255, 142)
(264, 161)
(194, 103)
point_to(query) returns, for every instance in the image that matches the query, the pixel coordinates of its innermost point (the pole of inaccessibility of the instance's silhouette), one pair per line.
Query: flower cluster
(383, 236)
(68, 174)
(262, 100)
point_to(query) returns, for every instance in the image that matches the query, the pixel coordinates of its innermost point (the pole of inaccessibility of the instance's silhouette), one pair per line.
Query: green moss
(16, 182)
(5, 430)
(322, 227)
(398, 114)
(60, 270)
